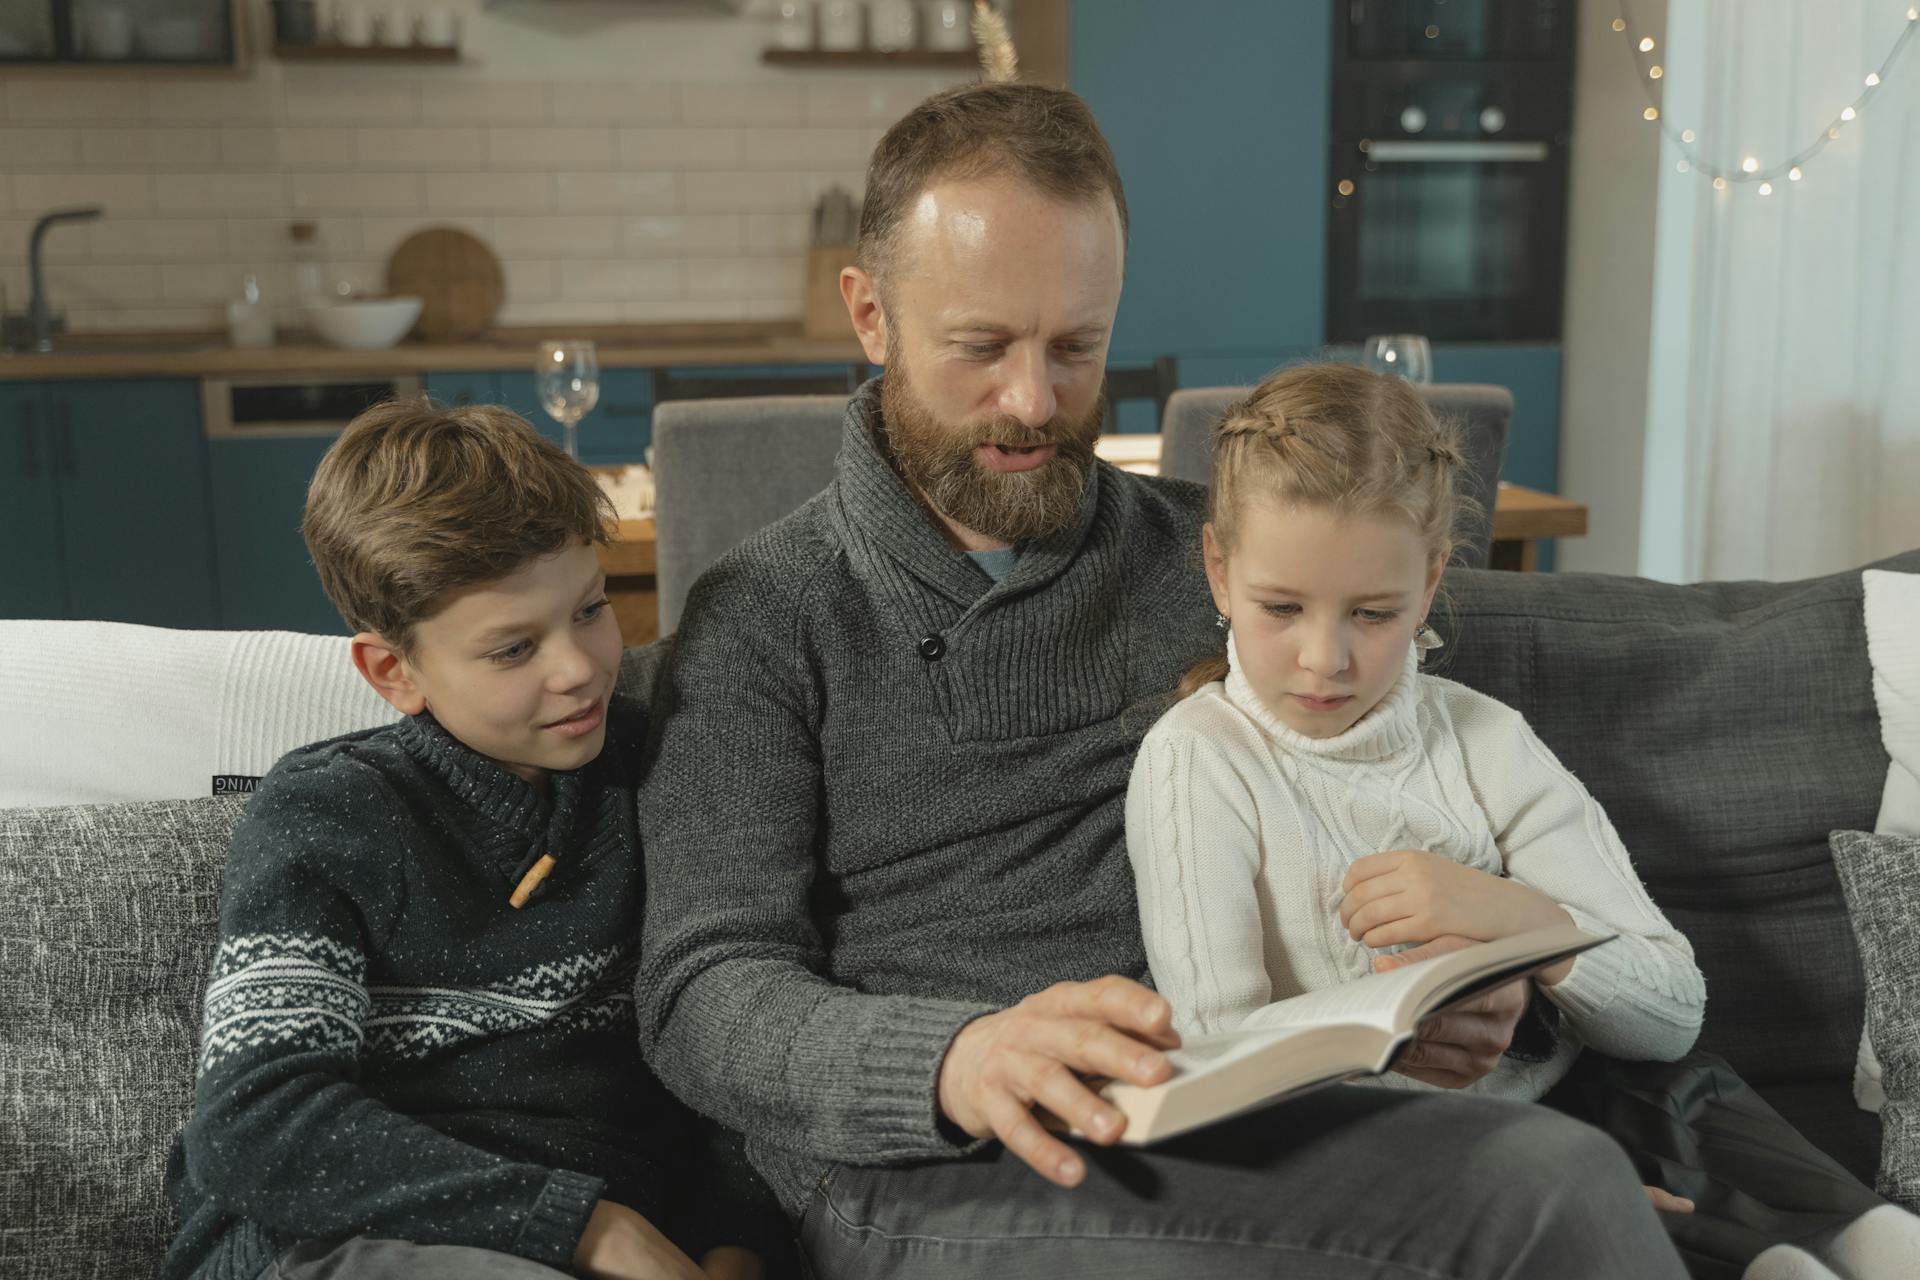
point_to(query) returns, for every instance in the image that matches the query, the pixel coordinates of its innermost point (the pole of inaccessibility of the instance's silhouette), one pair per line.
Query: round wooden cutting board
(455, 275)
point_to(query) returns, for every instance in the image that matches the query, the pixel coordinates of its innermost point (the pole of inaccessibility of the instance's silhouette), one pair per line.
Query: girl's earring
(1220, 621)
(1426, 640)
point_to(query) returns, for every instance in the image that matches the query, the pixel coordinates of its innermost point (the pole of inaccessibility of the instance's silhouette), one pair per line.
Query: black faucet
(40, 316)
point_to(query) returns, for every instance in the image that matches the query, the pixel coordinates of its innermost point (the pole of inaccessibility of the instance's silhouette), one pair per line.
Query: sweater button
(932, 647)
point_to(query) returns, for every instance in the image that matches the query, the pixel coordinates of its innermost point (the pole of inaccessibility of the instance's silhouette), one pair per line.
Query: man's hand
(1004, 1064)
(1410, 895)
(619, 1244)
(1459, 1046)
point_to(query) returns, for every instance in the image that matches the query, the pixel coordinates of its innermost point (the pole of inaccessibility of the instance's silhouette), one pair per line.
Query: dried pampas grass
(999, 64)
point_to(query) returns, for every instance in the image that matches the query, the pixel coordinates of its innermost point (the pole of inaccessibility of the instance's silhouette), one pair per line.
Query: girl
(1313, 798)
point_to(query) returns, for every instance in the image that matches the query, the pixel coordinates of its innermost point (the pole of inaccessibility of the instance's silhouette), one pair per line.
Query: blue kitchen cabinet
(259, 492)
(32, 577)
(107, 511)
(134, 502)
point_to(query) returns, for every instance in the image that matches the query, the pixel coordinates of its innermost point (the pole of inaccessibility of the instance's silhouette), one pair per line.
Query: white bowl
(364, 325)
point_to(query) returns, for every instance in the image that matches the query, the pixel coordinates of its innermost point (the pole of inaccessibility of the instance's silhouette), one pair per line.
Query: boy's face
(520, 668)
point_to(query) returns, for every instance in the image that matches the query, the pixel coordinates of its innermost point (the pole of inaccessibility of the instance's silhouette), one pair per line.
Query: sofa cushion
(1727, 728)
(1881, 874)
(111, 916)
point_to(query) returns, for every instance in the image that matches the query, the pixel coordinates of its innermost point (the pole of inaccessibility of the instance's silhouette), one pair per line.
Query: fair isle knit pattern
(305, 993)
(886, 796)
(1241, 831)
(391, 1049)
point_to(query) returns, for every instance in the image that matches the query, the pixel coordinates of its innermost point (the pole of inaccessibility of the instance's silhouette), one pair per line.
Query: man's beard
(937, 461)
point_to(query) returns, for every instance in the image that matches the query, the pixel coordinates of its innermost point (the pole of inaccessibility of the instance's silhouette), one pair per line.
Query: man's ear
(381, 666)
(862, 296)
(1216, 559)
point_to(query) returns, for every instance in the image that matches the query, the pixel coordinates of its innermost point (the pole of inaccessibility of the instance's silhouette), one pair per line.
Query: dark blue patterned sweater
(389, 1048)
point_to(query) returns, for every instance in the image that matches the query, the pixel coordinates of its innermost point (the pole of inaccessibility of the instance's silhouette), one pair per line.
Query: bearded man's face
(998, 306)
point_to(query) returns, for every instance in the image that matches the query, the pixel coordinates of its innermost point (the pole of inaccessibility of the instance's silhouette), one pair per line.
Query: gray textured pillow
(1881, 877)
(111, 913)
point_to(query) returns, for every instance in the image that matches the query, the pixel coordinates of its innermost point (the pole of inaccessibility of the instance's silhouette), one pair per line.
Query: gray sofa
(1728, 728)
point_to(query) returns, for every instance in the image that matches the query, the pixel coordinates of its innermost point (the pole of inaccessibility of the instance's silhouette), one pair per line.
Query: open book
(1323, 1037)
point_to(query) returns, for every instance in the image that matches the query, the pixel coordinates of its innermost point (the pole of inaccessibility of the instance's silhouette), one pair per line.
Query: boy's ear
(862, 296)
(381, 666)
(1216, 559)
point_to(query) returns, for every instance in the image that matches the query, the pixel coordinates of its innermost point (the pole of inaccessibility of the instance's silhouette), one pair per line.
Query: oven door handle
(1457, 152)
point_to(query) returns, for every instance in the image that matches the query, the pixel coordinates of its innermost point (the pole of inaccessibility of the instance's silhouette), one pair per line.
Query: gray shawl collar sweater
(885, 795)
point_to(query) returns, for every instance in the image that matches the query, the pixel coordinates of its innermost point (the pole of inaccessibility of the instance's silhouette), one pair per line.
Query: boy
(419, 1054)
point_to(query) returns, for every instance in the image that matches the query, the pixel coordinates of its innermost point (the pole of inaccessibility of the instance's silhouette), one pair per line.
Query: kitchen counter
(194, 355)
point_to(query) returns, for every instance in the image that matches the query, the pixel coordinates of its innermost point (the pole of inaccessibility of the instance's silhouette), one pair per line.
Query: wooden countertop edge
(412, 358)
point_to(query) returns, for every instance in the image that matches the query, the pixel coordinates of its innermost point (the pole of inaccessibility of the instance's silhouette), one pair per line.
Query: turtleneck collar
(1390, 727)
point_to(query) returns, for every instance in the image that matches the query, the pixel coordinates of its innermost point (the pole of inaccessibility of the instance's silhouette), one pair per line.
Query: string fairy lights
(1750, 170)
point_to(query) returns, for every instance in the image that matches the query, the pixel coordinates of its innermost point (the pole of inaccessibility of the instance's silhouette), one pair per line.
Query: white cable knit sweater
(1241, 831)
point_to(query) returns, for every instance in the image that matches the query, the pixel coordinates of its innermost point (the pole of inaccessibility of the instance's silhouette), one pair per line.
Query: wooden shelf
(366, 53)
(845, 58)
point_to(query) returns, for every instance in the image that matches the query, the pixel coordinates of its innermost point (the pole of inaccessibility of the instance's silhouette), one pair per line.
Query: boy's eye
(518, 649)
(592, 611)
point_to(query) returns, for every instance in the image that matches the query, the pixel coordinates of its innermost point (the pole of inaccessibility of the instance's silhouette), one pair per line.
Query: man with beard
(890, 912)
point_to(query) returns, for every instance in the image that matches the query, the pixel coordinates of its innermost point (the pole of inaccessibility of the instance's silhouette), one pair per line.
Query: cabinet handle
(30, 438)
(63, 440)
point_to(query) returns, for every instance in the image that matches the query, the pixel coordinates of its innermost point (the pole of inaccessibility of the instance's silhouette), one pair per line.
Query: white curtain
(1783, 423)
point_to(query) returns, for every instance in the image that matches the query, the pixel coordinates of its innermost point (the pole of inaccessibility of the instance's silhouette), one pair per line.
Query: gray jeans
(366, 1258)
(1349, 1182)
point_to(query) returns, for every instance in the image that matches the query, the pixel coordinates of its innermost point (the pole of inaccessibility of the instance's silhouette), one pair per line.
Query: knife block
(823, 313)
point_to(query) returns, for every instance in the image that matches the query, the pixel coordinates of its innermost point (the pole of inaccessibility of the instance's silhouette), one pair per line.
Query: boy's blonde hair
(1337, 436)
(415, 500)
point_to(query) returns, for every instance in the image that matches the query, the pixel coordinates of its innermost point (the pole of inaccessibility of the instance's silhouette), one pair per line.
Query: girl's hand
(1410, 895)
(619, 1244)
(1667, 1202)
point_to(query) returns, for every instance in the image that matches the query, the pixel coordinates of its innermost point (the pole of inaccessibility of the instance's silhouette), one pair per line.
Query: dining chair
(1484, 415)
(723, 469)
(1155, 382)
(668, 385)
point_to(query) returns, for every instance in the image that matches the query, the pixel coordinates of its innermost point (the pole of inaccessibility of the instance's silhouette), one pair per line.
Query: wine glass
(1404, 355)
(566, 375)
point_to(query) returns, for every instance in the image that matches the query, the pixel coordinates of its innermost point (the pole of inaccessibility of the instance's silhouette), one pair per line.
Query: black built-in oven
(1449, 168)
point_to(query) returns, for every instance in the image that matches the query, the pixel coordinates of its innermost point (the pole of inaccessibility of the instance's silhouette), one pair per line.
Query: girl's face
(1323, 607)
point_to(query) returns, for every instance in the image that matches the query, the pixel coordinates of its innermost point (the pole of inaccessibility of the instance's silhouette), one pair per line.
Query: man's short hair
(1044, 136)
(415, 500)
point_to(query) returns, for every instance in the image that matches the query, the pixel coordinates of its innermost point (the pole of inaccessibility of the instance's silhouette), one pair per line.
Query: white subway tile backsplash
(697, 309)
(776, 102)
(117, 192)
(678, 148)
(140, 319)
(481, 193)
(158, 239)
(219, 192)
(359, 192)
(107, 148)
(744, 192)
(676, 233)
(620, 278)
(550, 148)
(574, 311)
(335, 101)
(532, 280)
(863, 97)
(738, 277)
(39, 148)
(778, 232)
(250, 147)
(412, 148)
(557, 235)
(379, 237)
(31, 98)
(617, 192)
(466, 102)
(72, 242)
(77, 285)
(271, 239)
(183, 284)
(809, 148)
(253, 101)
(614, 102)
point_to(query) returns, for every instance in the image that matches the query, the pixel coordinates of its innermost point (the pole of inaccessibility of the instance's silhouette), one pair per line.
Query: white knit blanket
(1892, 603)
(97, 712)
